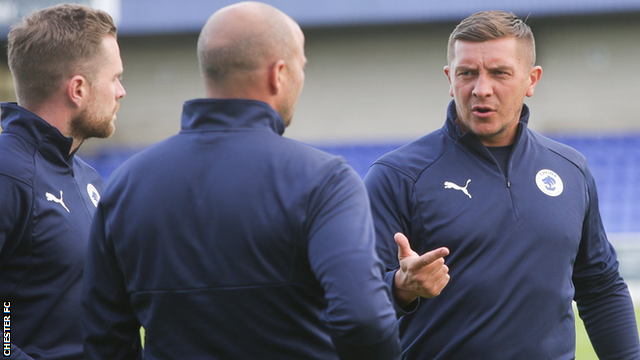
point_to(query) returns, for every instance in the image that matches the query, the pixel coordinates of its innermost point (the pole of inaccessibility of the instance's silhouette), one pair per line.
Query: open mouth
(482, 109)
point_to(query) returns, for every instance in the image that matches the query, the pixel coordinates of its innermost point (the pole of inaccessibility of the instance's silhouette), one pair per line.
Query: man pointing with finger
(420, 276)
(518, 213)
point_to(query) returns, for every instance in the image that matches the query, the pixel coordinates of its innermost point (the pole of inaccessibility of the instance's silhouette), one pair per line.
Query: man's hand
(419, 275)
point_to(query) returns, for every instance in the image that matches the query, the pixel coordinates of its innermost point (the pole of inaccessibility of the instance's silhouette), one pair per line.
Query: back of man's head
(240, 41)
(53, 44)
(492, 25)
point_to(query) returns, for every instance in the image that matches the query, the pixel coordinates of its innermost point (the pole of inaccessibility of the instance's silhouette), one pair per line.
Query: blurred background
(375, 81)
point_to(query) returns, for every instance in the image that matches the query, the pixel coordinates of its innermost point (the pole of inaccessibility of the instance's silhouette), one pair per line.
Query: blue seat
(614, 161)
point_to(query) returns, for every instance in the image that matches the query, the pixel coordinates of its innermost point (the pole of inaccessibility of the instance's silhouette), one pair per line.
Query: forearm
(341, 241)
(17, 353)
(110, 328)
(611, 324)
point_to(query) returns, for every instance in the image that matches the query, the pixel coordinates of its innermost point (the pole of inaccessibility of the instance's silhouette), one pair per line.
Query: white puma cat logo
(450, 185)
(51, 197)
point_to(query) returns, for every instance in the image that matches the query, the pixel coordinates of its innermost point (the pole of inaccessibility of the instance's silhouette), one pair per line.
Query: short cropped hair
(54, 43)
(492, 25)
(245, 51)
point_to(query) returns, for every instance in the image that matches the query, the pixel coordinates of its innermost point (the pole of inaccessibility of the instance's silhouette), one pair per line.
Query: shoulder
(81, 165)
(144, 161)
(308, 153)
(571, 155)
(314, 167)
(250, 153)
(415, 157)
(87, 173)
(17, 172)
(16, 158)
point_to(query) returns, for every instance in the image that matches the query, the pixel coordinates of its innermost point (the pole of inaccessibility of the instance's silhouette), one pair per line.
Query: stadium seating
(614, 161)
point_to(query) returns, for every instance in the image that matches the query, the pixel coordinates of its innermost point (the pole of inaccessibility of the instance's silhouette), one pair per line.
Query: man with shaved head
(228, 241)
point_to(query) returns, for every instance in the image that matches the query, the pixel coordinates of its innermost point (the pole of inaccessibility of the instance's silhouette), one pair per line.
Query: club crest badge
(93, 194)
(549, 182)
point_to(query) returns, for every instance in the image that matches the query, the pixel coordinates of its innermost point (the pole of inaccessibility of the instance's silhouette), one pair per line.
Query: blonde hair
(54, 43)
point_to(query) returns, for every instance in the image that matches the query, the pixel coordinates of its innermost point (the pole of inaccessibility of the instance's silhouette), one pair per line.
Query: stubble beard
(287, 113)
(288, 107)
(93, 122)
(466, 127)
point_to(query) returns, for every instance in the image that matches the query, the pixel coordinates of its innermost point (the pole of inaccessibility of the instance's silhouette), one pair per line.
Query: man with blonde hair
(66, 67)
(514, 213)
(228, 241)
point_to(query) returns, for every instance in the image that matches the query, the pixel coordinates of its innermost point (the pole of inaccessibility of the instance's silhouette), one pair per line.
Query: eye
(502, 72)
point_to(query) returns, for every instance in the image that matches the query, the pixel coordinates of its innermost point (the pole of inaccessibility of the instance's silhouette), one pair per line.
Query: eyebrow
(500, 68)
(491, 68)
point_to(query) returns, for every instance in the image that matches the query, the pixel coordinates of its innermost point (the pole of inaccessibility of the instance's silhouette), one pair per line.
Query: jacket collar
(226, 114)
(46, 138)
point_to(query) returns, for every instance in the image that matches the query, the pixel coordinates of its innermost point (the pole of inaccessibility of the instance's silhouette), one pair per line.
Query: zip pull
(73, 174)
(508, 183)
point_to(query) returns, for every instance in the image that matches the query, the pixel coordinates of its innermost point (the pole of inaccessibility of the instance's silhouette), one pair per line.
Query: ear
(78, 90)
(447, 72)
(534, 77)
(276, 76)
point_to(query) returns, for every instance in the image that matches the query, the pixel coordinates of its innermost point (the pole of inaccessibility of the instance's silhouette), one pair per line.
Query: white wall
(591, 77)
(386, 84)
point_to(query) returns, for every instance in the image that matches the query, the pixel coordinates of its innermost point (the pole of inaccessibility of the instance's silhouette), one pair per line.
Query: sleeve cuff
(388, 348)
(411, 308)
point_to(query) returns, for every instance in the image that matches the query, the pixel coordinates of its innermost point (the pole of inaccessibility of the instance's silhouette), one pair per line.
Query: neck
(242, 87)
(504, 137)
(58, 117)
(76, 144)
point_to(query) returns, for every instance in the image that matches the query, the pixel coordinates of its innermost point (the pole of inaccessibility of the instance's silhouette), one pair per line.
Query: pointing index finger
(433, 255)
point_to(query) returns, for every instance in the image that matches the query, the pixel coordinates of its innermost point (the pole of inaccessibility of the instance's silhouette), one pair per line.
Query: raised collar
(471, 141)
(229, 114)
(46, 138)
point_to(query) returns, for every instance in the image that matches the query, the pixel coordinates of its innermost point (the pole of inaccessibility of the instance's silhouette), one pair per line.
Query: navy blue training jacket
(524, 243)
(228, 241)
(47, 199)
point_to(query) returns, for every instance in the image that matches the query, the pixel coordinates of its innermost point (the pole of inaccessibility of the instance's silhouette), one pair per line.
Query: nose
(120, 91)
(483, 87)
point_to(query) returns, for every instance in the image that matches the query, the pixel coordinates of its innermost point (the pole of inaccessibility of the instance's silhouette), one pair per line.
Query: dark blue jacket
(524, 243)
(46, 203)
(228, 241)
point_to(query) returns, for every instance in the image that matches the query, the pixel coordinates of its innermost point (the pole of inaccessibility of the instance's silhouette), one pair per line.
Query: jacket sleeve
(601, 294)
(15, 208)
(110, 328)
(390, 195)
(15, 205)
(341, 252)
(17, 354)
